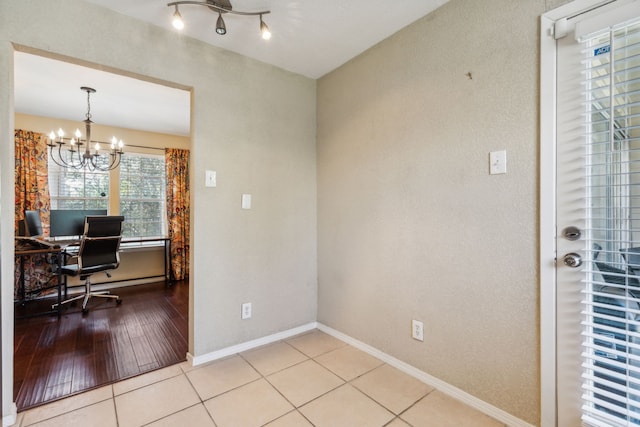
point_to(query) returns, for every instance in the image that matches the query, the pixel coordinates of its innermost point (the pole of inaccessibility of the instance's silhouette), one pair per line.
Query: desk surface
(71, 242)
(37, 251)
(29, 246)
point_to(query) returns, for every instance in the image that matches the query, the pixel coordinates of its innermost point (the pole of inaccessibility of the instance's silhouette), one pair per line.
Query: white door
(597, 313)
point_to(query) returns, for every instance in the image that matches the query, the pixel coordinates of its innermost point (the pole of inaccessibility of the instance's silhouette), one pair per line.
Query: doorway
(118, 343)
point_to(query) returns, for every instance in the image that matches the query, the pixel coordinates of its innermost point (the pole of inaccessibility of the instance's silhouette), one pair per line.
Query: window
(142, 195)
(77, 189)
(139, 192)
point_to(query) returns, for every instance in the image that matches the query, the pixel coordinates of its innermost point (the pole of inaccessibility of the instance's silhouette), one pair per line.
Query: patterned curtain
(178, 209)
(32, 180)
(32, 193)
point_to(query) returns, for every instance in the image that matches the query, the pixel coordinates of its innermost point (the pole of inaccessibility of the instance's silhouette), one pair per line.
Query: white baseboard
(219, 354)
(9, 420)
(105, 286)
(442, 386)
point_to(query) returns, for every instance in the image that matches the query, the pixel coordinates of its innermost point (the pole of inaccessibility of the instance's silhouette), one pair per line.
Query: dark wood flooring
(54, 358)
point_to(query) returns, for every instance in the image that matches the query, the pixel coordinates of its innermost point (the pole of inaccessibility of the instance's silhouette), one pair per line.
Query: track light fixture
(219, 6)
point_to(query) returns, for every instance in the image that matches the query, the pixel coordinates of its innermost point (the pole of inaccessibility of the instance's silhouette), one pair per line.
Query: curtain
(32, 180)
(32, 193)
(178, 210)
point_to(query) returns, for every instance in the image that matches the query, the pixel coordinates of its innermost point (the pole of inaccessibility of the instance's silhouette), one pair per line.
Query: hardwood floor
(54, 358)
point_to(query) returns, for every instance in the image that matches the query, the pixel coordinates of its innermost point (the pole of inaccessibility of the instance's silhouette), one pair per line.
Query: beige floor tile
(345, 406)
(195, 416)
(392, 388)
(146, 379)
(156, 401)
(397, 423)
(315, 343)
(292, 419)
(222, 375)
(348, 362)
(273, 357)
(68, 404)
(253, 404)
(304, 382)
(438, 409)
(100, 414)
(187, 366)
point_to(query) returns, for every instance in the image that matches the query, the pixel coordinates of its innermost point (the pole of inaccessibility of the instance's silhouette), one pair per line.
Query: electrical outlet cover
(246, 310)
(417, 330)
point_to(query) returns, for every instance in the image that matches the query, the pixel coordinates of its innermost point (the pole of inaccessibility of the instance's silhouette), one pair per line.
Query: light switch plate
(246, 201)
(498, 162)
(210, 179)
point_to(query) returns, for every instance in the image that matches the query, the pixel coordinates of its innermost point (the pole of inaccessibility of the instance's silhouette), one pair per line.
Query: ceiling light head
(177, 22)
(264, 30)
(220, 27)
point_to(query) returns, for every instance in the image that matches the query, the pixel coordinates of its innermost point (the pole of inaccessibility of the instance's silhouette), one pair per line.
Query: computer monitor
(70, 222)
(32, 224)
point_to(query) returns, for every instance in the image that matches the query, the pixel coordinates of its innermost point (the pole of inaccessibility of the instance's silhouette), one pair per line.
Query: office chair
(616, 330)
(99, 251)
(632, 257)
(32, 224)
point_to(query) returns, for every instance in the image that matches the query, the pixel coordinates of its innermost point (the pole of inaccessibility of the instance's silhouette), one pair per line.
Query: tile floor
(312, 379)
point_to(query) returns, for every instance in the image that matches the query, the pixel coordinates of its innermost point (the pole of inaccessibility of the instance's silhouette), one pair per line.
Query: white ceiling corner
(339, 29)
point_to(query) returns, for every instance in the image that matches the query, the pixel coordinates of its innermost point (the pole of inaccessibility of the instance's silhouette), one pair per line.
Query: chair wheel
(118, 301)
(85, 311)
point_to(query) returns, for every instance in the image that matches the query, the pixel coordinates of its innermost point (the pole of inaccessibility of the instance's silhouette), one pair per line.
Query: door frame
(548, 224)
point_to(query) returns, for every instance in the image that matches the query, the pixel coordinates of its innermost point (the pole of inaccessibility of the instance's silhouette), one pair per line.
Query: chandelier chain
(88, 105)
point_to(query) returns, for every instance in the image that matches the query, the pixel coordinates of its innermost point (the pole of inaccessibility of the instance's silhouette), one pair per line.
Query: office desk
(135, 242)
(54, 254)
(131, 243)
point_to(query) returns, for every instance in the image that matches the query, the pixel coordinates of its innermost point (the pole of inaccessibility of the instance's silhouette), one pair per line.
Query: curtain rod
(143, 146)
(108, 144)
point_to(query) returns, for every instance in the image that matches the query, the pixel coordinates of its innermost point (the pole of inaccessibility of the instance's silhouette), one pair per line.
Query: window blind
(77, 189)
(611, 287)
(142, 195)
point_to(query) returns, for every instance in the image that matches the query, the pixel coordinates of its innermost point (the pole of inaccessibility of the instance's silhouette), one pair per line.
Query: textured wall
(410, 223)
(252, 123)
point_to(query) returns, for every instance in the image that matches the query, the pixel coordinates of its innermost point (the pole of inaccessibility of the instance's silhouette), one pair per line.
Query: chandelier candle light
(219, 7)
(74, 157)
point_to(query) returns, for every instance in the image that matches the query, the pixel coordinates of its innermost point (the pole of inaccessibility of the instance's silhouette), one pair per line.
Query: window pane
(73, 189)
(142, 195)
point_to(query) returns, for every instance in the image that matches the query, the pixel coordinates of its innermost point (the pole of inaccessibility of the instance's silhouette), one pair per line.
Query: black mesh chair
(632, 257)
(99, 252)
(616, 318)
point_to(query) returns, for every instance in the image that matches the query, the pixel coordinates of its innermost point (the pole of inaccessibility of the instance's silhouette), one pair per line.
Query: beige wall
(410, 223)
(252, 123)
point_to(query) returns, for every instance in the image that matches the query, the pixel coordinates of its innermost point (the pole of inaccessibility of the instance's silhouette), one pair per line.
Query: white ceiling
(310, 37)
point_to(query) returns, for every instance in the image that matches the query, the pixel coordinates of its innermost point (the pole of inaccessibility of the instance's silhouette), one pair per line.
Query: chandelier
(219, 7)
(78, 154)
